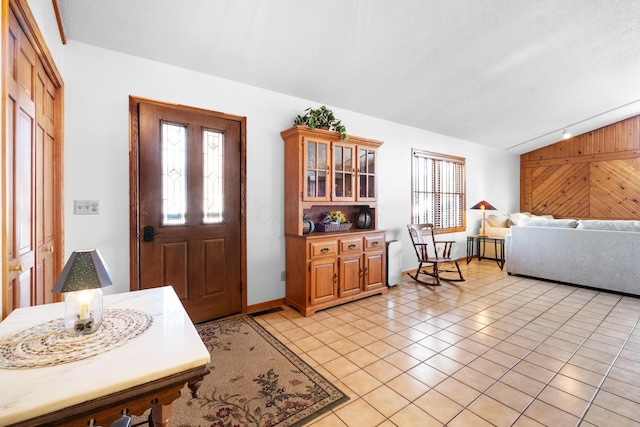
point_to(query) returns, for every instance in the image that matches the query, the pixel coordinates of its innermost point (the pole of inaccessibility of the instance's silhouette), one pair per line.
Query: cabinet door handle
(335, 277)
(352, 246)
(324, 250)
(19, 267)
(360, 272)
(366, 270)
(375, 243)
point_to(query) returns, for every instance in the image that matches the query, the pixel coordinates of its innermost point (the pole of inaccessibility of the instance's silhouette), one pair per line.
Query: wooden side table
(475, 241)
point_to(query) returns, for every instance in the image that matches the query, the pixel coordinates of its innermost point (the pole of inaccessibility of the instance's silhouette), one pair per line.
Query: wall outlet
(283, 276)
(86, 207)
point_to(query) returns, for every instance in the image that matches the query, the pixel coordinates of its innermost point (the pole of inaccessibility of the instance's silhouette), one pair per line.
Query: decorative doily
(48, 344)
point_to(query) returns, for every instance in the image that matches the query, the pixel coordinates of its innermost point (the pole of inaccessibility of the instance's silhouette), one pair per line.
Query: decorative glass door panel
(316, 171)
(213, 176)
(366, 174)
(343, 172)
(174, 174)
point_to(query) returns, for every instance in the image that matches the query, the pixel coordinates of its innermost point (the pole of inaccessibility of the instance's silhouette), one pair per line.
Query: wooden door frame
(30, 27)
(134, 196)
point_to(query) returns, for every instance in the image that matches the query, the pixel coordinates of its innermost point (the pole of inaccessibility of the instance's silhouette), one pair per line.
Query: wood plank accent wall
(595, 175)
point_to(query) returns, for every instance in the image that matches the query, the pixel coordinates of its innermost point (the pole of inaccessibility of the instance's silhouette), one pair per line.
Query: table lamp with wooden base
(483, 206)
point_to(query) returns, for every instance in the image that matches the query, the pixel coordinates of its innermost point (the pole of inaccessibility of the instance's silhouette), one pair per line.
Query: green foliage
(321, 118)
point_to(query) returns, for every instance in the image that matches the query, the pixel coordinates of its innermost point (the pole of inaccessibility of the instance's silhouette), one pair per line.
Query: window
(438, 191)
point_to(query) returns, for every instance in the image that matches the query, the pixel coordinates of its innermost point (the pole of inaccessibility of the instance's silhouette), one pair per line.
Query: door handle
(19, 267)
(148, 234)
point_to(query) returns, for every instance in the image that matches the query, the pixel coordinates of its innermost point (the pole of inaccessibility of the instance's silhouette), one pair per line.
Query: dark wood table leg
(160, 415)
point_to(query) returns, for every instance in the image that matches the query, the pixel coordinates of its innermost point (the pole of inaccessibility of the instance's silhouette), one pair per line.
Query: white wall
(98, 83)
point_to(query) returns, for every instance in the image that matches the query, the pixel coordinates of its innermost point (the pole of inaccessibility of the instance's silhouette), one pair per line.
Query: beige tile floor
(495, 350)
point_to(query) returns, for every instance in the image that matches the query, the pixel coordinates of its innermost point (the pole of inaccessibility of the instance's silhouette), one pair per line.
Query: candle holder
(83, 311)
(81, 281)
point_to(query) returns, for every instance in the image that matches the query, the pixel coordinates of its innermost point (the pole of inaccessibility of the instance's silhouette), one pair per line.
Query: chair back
(417, 239)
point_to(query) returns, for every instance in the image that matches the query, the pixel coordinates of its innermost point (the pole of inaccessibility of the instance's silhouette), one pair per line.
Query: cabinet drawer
(324, 248)
(374, 242)
(350, 245)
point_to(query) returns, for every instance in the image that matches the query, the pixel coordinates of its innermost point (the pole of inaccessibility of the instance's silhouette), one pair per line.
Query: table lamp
(81, 281)
(483, 206)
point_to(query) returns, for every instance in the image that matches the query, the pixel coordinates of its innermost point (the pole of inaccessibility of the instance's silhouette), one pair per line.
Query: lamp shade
(85, 269)
(484, 205)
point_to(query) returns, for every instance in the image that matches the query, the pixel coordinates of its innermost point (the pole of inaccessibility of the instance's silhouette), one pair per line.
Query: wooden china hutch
(324, 173)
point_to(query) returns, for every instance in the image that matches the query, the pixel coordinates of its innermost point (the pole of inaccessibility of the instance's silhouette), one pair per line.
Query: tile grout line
(521, 305)
(606, 375)
(580, 345)
(483, 392)
(478, 296)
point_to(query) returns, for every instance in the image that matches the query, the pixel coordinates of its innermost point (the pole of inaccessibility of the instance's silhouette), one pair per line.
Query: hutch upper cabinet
(322, 170)
(324, 173)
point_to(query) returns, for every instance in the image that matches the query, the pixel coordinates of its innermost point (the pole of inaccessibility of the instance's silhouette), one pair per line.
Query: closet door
(33, 166)
(21, 277)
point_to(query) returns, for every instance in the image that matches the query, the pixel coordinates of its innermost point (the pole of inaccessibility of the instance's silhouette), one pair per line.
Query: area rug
(255, 380)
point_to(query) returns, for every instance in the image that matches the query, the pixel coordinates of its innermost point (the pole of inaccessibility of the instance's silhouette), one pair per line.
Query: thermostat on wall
(86, 207)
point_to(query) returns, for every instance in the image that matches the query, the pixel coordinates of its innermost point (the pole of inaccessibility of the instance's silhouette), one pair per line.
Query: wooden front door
(190, 207)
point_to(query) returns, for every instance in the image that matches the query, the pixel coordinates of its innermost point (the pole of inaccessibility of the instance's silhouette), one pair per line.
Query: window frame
(458, 185)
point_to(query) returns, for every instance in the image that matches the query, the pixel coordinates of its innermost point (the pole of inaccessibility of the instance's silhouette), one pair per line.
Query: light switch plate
(86, 207)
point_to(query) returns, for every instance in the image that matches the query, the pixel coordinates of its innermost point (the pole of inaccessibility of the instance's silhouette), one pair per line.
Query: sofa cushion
(515, 217)
(546, 222)
(507, 220)
(616, 225)
(499, 220)
(542, 216)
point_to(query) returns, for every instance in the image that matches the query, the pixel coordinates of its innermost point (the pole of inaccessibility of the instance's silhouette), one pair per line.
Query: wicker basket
(325, 227)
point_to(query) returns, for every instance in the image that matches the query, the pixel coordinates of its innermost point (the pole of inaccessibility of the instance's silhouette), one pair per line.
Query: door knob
(19, 267)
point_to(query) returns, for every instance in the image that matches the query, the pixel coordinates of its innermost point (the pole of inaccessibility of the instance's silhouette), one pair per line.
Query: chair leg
(415, 277)
(436, 273)
(459, 272)
(419, 271)
(446, 279)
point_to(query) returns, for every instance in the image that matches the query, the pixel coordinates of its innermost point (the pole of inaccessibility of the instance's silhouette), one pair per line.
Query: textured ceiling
(509, 74)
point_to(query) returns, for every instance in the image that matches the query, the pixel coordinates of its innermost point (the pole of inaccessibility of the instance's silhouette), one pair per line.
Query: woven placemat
(48, 344)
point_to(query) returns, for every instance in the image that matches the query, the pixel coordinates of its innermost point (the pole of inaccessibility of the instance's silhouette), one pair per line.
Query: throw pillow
(515, 217)
(497, 220)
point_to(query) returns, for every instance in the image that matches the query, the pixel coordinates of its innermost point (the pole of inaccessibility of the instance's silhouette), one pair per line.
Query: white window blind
(438, 190)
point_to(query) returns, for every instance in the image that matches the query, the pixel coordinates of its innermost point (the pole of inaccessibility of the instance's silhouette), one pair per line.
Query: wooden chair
(439, 254)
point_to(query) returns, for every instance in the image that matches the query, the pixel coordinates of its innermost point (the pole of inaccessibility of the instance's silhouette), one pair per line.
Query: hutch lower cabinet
(327, 270)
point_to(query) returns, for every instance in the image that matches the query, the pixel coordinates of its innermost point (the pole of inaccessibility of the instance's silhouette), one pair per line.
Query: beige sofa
(499, 225)
(593, 253)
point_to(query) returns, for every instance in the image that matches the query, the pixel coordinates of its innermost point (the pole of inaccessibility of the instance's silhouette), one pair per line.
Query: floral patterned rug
(255, 380)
